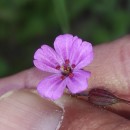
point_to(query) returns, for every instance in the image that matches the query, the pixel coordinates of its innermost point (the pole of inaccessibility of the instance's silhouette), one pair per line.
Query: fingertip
(26, 110)
(110, 67)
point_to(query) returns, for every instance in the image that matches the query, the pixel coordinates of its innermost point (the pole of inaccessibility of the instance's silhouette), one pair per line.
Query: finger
(25, 79)
(79, 115)
(110, 68)
(26, 111)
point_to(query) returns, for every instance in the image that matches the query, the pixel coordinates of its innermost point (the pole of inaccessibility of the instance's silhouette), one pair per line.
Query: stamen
(66, 71)
(58, 67)
(65, 68)
(73, 65)
(62, 77)
(71, 75)
(67, 61)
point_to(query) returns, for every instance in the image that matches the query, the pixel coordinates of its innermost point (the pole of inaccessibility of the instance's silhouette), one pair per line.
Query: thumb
(24, 110)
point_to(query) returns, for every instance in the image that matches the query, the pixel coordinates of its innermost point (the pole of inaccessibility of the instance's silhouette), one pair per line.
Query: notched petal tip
(81, 53)
(66, 35)
(47, 59)
(63, 45)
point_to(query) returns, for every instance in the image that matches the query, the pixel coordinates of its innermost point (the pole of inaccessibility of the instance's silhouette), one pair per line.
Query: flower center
(66, 69)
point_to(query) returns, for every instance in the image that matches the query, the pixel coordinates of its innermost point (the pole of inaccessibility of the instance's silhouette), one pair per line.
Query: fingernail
(27, 111)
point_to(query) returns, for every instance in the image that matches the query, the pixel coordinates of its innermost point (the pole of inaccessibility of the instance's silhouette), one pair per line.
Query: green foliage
(3, 66)
(61, 14)
(26, 24)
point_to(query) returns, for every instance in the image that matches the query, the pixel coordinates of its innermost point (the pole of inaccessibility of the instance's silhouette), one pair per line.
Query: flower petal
(81, 53)
(47, 59)
(44, 67)
(63, 44)
(78, 83)
(52, 87)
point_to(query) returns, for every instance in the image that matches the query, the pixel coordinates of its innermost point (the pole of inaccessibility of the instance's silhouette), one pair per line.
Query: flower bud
(102, 97)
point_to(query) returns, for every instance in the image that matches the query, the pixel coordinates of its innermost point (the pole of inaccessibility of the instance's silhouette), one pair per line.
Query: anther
(73, 65)
(62, 77)
(58, 67)
(71, 75)
(67, 61)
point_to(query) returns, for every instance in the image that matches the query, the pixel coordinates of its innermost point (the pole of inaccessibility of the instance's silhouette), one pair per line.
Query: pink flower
(66, 63)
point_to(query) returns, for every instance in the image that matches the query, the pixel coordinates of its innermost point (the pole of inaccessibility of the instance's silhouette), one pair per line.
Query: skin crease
(110, 70)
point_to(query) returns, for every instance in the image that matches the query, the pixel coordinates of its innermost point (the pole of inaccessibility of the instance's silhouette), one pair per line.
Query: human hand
(26, 110)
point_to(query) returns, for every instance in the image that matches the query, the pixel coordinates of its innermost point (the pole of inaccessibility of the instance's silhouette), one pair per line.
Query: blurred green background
(27, 24)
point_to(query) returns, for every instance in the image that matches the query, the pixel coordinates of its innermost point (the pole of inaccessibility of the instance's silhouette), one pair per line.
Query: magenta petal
(47, 59)
(63, 44)
(81, 53)
(78, 83)
(52, 87)
(44, 67)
